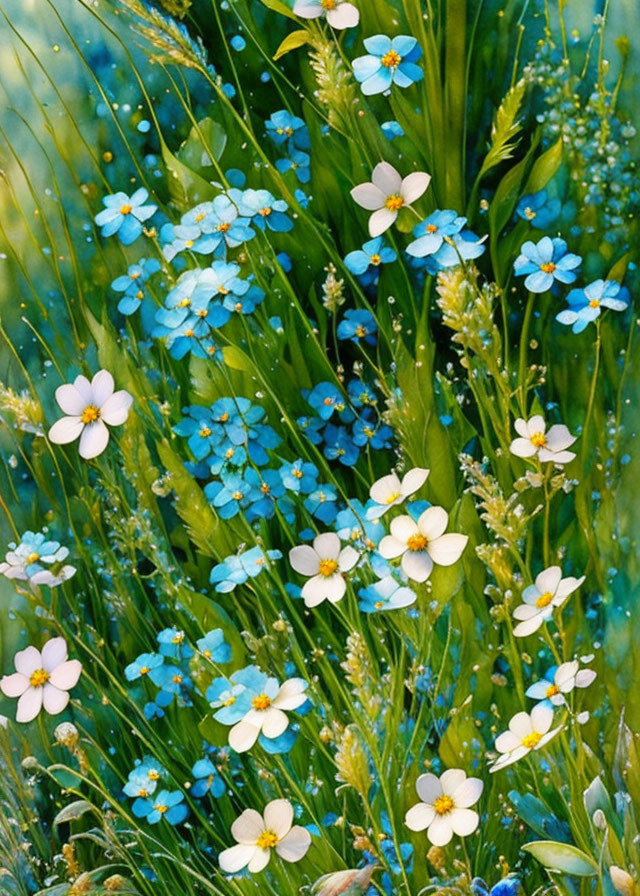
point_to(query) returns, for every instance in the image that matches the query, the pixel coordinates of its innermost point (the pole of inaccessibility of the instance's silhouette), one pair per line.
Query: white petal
(451, 780)
(549, 736)
(428, 788)
(101, 387)
(27, 661)
(327, 546)
(402, 528)
(294, 845)
(53, 699)
(541, 718)
(536, 424)
(259, 860)
(83, 386)
(386, 178)
(382, 490)
(417, 565)
(568, 586)
(468, 793)
(70, 400)
(585, 677)
(66, 675)
(390, 547)
(368, 196)
(304, 560)
(413, 480)
(559, 438)
(523, 629)
(94, 439)
(243, 736)
(419, 817)
(464, 821)
(521, 724)
(29, 705)
(274, 723)
(526, 611)
(345, 15)
(278, 817)
(440, 831)
(433, 522)
(347, 559)
(236, 858)
(507, 742)
(548, 580)
(115, 410)
(447, 550)
(307, 10)
(321, 588)
(381, 221)
(14, 685)
(247, 827)
(65, 430)
(566, 672)
(54, 652)
(414, 185)
(521, 428)
(291, 695)
(522, 448)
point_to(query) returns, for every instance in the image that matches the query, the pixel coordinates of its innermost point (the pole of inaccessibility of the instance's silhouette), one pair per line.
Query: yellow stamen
(417, 542)
(265, 212)
(539, 439)
(594, 303)
(394, 202)
(90, 414)
(548, 267)
(261, 702)
(327, 567)
(391, 59)
(431, 228)
(33, 558)
(545, 599)
(125, 209)
(223, 227)
(267, 840)
(375, 259)
(443, 804)
(38, 678)
(552, 690)
(531, 740)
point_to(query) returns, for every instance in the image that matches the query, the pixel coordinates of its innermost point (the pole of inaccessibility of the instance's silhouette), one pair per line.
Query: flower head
(387, 193)
(385, 594)
(256, 835)
(33, 558)
(444, 810)
(527, 731)
(544, 262)
(324, 565)
(422, 543)
(549, 591)
(561, 680)
(585, 305)
(339, 14)
(535, 440)
(41, 679)
(390, 490)
(389, 61)
(124, 215)
(90, 408)
(268, 703)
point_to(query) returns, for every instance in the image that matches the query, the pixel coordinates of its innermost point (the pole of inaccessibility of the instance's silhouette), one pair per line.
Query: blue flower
(358, 324)
(323, 504)
(230, 496)
(389, 62)
(339, 445)
(238, 568)
(431, 233)
(132, 282)
(207, 779)
(139, 785)
(312, 428)
(372, 255)
(368, 432)
(284, 127)
(171, 641)
(247, 304)
(538, 209)
(299, 162)
(386, 594)
(165, 804)
(361, 395)
(214, 647)
(266, 488)
(391, 130)
(265, 211)
(143, 665)
(25, 560)
(124, 215)
(545, 262)
(351, 524)
(224, 223)
(181, 237)
(170, 679)
(203, 432)
(325, 398)
(300, 476)
(586, 304)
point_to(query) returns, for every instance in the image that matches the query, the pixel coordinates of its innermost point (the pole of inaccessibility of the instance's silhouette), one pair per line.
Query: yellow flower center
(238, 306)
(360, 331)
(188, 244)
(38, 678)
(206, 654)
(265, 212)
(153, 774)
(188, 333)
(223, 417)
(184, 303)
(529, 213)
(237, 496)
(199, 217)
(392, 497)
(548, 267)
(391, 59)
(594, 303)
(267, 840)
(539, 439)
(417, 542)
(223, 227)
(203, 312)
(125, 209)
(177, 679)
(443, 804)
(229, 701)
(531, 740)
(378, 605)
(261, 702)
(205, 432)
(328, 4)
(264, 488)
(143, 792)
(161, 808)
(297, 473)
(394, 202)
(545, 599)
(552, 690)
(223, 291)
(431, 228)
(90, 414)
(327, 567)
(144, 670)
(33, 558)
(229, 453)
(375, 259)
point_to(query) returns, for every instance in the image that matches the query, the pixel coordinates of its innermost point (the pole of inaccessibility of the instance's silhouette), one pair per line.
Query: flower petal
(247, 827)
(417, 565)
(14, 685)
(115, 410)
(447, 550)
(304, 560)
(70, 400)
(236, 858)
(278, 817)
(327, 546)
(243, 736)
(94, 439)
(66, 675)
(53, 699)
(428, 788)
(65, 430)
(419, 817)
(54, 652)
(27, 661)
(101, 387)
(464, 821)
(29, 705)
(294, 845)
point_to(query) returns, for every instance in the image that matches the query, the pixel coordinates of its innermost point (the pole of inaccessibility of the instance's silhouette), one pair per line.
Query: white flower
(324, 562)
(564, 679)
(268, 714)
(540, 599)
(535, 440)
(387, 193)
(526, 732)
(391, 490)
(89, 406)
(444, 809)
(257, 835)
(339, 13)
(41, 679)
(423, 543)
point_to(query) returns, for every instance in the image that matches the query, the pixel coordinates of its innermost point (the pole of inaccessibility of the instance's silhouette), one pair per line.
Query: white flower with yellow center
(527, 732)
(256, 835)
(339, 14)
(41, 679)
(445, 807)
(390, 490)
(325, 564)
(423, 543)
(91, 407)
(549, 591)
(561, 681)
(268, 713)
(387, 193)
(548, 446)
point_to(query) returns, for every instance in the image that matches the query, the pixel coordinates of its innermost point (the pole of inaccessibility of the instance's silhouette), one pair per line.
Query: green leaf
(562, 857)
(292, 42)
(619, 269)
(504, 129)
(206, 142)
(186, 186)
(544, 168)
(455, 746)
(74, 810)
(279, 6)
(235, 358)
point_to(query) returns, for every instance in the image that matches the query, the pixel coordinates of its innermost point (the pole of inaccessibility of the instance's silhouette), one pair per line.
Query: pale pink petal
(94, 439)
(29, 705)
(54, 652)
(27, 661)
(66, 675)
(53, 699)
(14, 685)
